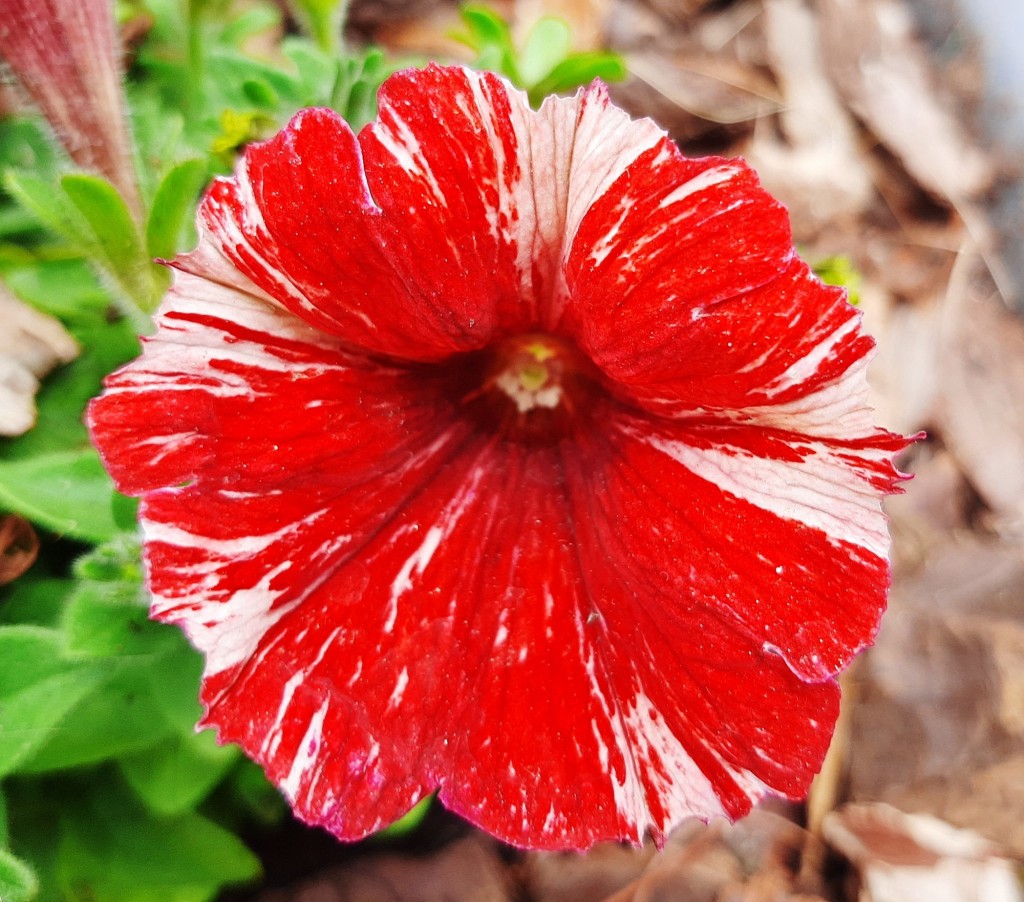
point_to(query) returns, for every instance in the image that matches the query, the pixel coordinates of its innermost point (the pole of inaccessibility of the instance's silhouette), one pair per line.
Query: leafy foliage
(546, 63)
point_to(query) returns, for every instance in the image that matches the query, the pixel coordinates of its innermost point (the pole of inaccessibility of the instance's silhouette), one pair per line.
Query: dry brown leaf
(696, 867)
(981, 403)
(882, 72)
(715, 89)
(31, 344)
(603, 871)
(677, 11)
(937, 715)
(905, 374)
(816, 167)
(19, 546)
(904, 857)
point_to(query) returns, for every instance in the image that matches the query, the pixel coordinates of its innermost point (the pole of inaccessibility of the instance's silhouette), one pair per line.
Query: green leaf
(111, 620)
(118, 717)
(174, 207)
(118, 560)
(248, 789)
(111, 850)
(34, 808)
(65, 288)
(66, 492)
(24, 146)
(53, 208)
(485, 27)
(260, 94)
(841, 272)
(354, 94)
(178, 774)
(489, 35)
(16, 221)
(89, 215)
(115, 233)
(408, 821)
(548, 43)
(323, 20)
(248, 23)
(35, 600)
(577, 70)
(37, 690)
(18, 882)
(173, 682)
(28, 655)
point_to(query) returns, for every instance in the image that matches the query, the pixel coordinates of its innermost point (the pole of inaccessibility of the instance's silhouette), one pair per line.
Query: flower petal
(790, 354)
(669, 239)
(441, 226)
(780, 535)
(195, 407)
(577, 636)
(471, 643)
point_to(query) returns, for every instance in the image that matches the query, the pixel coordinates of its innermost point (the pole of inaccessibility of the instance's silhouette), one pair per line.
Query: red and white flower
(509, 454)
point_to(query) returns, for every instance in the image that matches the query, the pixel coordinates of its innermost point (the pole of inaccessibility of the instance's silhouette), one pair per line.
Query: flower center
(530, 387)
(532, 374)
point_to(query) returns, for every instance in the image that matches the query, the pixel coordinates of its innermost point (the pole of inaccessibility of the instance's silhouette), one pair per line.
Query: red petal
(668, 240)
(780, 535)
(223, 366)
(470, 641)
(790, 353)
(440, 227)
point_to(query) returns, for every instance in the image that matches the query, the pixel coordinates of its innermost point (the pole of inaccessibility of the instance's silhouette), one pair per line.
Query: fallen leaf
(31, 344)
(882, 71)
(916, 856)
(19, 546)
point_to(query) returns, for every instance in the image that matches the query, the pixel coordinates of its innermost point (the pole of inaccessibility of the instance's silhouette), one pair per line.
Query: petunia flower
(67, 56)
(512, 455)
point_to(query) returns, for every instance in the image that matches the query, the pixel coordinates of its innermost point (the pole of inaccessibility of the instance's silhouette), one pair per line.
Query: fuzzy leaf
(105, 620)
(53, 209)
(37, 690)
(18, 882)
(118, 718)
(322, 19)
(178, 774)
(116, 234)
(66, 492)
(111, 851)
(174, 207)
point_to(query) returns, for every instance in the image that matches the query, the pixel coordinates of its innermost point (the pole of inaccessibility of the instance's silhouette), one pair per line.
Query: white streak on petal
(416, 562)
(706, 179)
(396, 696)
(306, 754)
(683, 789)
(818, 491)
(801, 371)
(273, 737)
(226, 549)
